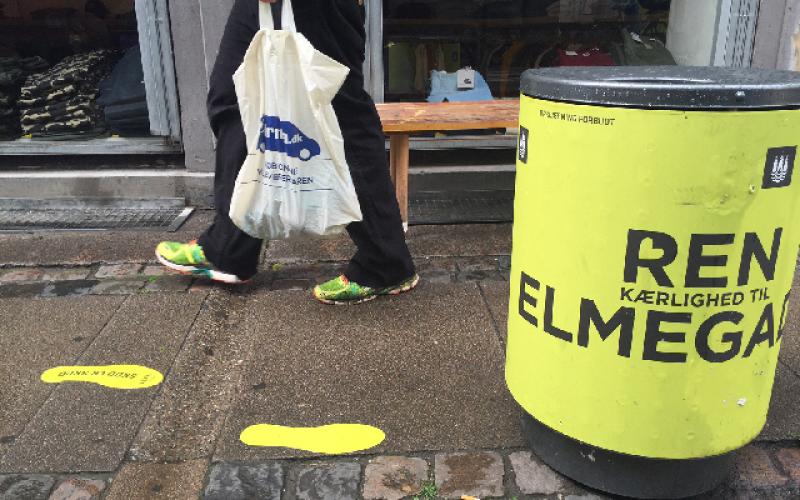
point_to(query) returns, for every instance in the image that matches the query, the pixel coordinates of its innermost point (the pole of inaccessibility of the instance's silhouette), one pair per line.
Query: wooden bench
(401, 119)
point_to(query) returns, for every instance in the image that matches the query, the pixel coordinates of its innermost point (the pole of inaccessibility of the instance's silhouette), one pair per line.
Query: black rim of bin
(666, 87)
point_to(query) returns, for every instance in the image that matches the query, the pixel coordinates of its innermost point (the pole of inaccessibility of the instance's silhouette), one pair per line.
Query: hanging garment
(123, 96)
(420, 67)
(642, 50)
(400, 68)
(507, 87)
(444, 87)
(592, 57)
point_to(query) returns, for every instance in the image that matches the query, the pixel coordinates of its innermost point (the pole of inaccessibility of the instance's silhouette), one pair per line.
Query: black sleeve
(240, 29)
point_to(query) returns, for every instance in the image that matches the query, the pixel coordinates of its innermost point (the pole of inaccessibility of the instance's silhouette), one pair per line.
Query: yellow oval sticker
(335, 439)
(125, 377)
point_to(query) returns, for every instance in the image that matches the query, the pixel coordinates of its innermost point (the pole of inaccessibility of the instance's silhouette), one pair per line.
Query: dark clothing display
(336, 29)
(67, 79)
(76, 113)
(56, 93)
(128, 119)
(49, 97)
(9, 115)
(62, 99)
(75, 123)
(59, 97)
(11, 77)
(123, 96)
(74, 104)
(34, 64)
(13, 71)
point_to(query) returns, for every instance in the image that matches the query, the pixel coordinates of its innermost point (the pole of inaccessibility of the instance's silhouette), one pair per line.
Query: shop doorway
(87, 77)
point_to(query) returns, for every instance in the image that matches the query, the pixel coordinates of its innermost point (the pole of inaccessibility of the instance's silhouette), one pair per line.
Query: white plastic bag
(295, 179)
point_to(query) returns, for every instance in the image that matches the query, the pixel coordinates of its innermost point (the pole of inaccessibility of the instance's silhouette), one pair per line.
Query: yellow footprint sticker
(125, 377)
(336, 439)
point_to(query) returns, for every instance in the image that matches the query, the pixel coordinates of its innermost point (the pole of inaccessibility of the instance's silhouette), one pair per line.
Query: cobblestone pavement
(130, 279)
(763, 471)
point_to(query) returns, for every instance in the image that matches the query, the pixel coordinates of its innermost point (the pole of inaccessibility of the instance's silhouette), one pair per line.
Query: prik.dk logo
(779, 167)
(285, 137)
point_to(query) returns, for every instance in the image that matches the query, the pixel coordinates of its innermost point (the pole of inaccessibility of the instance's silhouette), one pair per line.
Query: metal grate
(93, 218)
(461, 207)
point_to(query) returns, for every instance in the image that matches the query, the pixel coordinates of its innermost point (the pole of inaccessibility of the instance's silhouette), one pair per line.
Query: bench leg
(398, 164)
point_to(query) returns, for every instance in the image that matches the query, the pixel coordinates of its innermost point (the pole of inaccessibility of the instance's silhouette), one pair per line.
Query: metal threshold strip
(461, 207)
(96, 146)
(92, 215)
(430, 207)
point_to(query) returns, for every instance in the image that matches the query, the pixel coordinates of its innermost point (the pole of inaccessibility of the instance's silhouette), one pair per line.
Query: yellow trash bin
(656, 233)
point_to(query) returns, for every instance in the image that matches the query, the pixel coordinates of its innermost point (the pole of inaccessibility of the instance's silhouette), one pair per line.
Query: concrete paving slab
(85, 427)
(77, 248)
(159, 481)
(169, 283)
(496, 295)
(36, 335)
(186, 418)
(127, 287)
(790, 343)
(783, 420)
(463, 240)
(426, 368)
(335, 248)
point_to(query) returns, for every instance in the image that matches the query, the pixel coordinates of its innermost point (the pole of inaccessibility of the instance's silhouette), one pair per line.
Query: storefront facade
(415, 49)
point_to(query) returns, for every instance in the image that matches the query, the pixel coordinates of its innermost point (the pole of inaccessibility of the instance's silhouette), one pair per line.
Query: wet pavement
(425, 367)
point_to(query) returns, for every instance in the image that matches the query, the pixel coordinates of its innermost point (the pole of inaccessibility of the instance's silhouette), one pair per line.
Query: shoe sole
(397, 291)
(346, 302)
(219, 277)
(405, 288)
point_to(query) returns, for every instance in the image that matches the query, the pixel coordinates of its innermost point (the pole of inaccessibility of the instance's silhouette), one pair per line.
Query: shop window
(72, 70)
(461, 50)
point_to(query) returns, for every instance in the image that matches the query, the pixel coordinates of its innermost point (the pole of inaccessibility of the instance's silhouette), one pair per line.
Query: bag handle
(266, 21)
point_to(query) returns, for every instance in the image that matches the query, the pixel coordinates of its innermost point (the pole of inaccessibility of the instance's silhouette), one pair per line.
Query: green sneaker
(189, 258)
(341, 291)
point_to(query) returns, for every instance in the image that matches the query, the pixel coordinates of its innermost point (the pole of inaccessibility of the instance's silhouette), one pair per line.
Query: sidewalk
(426, 368)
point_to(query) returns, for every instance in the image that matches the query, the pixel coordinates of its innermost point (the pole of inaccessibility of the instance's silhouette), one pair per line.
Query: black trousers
(336, 28)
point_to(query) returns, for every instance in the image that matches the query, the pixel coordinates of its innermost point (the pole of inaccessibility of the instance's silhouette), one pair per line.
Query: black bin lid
(666, 87)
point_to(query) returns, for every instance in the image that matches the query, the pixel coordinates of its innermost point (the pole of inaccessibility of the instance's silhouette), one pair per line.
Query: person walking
(382, 264)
